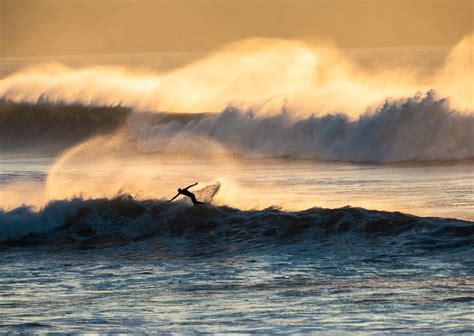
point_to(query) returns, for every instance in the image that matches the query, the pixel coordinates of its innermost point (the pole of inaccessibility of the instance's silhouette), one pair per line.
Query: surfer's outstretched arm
(174, 197)
(192, 185)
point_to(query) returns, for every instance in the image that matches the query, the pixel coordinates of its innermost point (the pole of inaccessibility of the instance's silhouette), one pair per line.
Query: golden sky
(60, 27)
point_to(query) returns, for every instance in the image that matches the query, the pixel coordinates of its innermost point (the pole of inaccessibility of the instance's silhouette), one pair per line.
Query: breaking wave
(414, 129)
(420, 128)
(100, 223)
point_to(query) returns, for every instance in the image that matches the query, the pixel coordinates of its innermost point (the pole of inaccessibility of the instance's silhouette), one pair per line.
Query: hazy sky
(56, 27)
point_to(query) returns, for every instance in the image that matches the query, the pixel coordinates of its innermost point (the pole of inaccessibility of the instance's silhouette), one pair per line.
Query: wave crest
(414, 129)
(420, 128)
(100, 223)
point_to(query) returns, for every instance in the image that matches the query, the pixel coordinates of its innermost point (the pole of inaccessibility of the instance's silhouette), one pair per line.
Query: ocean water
(335, 201)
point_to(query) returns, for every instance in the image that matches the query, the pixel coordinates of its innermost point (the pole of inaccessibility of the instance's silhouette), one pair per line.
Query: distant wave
(420, 128)
(55, 126)
(101, 223)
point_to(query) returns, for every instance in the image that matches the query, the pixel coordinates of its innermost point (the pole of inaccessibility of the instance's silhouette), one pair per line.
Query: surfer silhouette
(186, 192)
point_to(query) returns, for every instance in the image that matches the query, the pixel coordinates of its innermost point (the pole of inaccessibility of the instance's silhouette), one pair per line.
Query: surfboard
(207, 193)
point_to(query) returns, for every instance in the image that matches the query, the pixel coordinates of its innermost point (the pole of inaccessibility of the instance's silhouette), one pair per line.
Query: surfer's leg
(195, 201)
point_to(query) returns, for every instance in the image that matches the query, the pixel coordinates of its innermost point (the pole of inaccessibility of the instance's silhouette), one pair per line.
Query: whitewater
(345, 194)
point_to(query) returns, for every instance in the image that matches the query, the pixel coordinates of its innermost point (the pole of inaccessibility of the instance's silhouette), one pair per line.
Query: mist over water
(262, 74)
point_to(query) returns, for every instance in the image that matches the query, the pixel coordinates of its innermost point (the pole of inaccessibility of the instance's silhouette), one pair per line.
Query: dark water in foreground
(291, 291)
(127, 266)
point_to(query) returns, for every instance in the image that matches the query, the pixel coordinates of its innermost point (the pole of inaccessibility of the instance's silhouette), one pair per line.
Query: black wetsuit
(186, 192)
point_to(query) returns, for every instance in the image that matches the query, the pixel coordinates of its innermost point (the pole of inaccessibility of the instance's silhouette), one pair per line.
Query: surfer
(186, 192)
